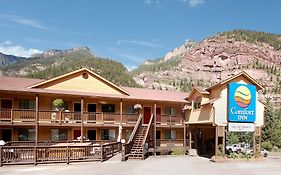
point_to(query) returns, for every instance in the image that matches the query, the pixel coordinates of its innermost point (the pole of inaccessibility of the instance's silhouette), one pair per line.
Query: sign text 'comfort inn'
(241, 102)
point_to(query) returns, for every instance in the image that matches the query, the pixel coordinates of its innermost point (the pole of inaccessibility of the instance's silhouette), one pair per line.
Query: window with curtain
(170, 134)
(108, 108)
(26, 134)
(170, 111)
(58, 134)
(108, 134)
(128, 134)
(26, 104)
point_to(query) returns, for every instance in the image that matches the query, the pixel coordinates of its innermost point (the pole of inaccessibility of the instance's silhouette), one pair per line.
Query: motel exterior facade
(97, 110)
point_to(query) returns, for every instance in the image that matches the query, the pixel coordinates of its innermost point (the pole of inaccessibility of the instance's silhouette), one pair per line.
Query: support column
(223, 141)
(36, 118)
(154, 133)
(121, 112)
(254, 143)
(217, 141)
(82, 121)
(260, 139)
(190, 138)
(184, 135)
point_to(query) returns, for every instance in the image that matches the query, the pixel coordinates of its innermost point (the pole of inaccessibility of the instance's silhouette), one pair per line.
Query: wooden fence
(28, 154)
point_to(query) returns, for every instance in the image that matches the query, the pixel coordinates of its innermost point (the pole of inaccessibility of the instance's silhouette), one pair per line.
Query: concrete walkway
(165, 165)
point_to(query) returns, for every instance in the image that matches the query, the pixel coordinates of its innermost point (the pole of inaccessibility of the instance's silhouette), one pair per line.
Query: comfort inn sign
(241, 102)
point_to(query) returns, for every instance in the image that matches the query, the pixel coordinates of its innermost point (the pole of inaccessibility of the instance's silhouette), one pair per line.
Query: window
(131, 110)
(108, 108)
(170, 134)
(128, 133)
(108, 134)
(58, 134)
(197, 102)
(26, 104)
(170, 111)
(26, 134)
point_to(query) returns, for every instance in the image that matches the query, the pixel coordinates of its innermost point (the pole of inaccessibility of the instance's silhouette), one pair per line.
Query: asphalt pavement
(164, 165)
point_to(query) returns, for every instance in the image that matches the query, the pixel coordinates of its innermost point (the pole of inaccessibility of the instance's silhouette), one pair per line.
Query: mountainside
(217, 58)
(202, 64)
(53, 63)
(9, 59)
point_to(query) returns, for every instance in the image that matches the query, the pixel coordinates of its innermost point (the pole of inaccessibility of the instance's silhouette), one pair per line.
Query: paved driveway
(168, 165)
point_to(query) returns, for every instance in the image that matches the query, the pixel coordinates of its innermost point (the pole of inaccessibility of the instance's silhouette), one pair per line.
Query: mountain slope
(219, 57)
(53, 63)
(9, 59)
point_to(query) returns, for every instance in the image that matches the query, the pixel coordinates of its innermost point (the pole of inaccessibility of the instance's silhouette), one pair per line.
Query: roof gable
(244, 74)
(196, 89)
(82, 80)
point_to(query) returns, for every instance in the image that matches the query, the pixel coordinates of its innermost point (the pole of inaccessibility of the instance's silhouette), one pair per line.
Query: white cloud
(23, 21)
(195, 3)
(130, 68)
(141, 43)
(9, 49)
(147, 2)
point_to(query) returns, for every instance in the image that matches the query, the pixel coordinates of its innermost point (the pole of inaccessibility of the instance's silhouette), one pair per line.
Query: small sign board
(241, 127)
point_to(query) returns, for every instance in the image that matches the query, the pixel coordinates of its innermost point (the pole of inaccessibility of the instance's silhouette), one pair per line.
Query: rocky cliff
(217, 58)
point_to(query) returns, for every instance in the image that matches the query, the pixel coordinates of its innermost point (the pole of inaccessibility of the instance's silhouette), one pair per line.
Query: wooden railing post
(60, 115)
(121, 112)
(35, 155)
(101, 158)
(102, 118)
(1, 156)
(67, 154)
(12, 116)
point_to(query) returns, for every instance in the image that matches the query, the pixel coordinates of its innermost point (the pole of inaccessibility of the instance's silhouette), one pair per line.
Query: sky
(128, 31)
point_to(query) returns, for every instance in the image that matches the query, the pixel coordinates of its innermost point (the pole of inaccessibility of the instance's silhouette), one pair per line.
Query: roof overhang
(244, 74)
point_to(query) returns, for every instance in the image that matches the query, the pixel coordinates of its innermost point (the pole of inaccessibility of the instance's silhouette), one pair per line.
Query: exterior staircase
(137, 149)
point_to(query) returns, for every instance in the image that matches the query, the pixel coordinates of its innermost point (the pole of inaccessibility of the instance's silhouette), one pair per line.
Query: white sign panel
(241, 127)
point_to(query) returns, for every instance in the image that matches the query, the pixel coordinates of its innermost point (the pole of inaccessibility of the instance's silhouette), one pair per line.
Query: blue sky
(129, 31)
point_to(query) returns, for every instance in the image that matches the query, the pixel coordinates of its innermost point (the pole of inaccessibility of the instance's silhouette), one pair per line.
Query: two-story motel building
(94, 109)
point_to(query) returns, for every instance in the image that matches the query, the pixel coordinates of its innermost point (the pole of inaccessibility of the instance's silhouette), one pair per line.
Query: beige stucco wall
(201, 115)
(78, 83)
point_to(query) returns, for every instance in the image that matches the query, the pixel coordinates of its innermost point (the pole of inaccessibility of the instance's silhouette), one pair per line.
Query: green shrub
(178, 151)
(58, 103)
(267, 145)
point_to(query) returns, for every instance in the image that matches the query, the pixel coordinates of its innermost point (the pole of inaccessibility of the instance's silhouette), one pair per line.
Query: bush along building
(83, 107)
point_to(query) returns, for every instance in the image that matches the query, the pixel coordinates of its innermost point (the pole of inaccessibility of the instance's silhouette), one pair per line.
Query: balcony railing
(63, 152)
(163, 119)
(63, 117)
(45, 116)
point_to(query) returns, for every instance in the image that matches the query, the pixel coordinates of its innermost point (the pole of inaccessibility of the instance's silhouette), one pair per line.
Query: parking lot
(164, 165)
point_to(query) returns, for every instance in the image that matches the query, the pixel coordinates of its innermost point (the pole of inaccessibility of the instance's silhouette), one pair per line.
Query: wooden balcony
(70, 117)
(169, 120)
(65, 117)
(59, 152)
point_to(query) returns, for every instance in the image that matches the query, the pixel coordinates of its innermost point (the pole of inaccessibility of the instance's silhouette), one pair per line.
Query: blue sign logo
(241, 102)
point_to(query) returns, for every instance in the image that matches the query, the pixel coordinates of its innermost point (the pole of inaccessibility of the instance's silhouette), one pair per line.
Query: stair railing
(126, 148)
(145, 139)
